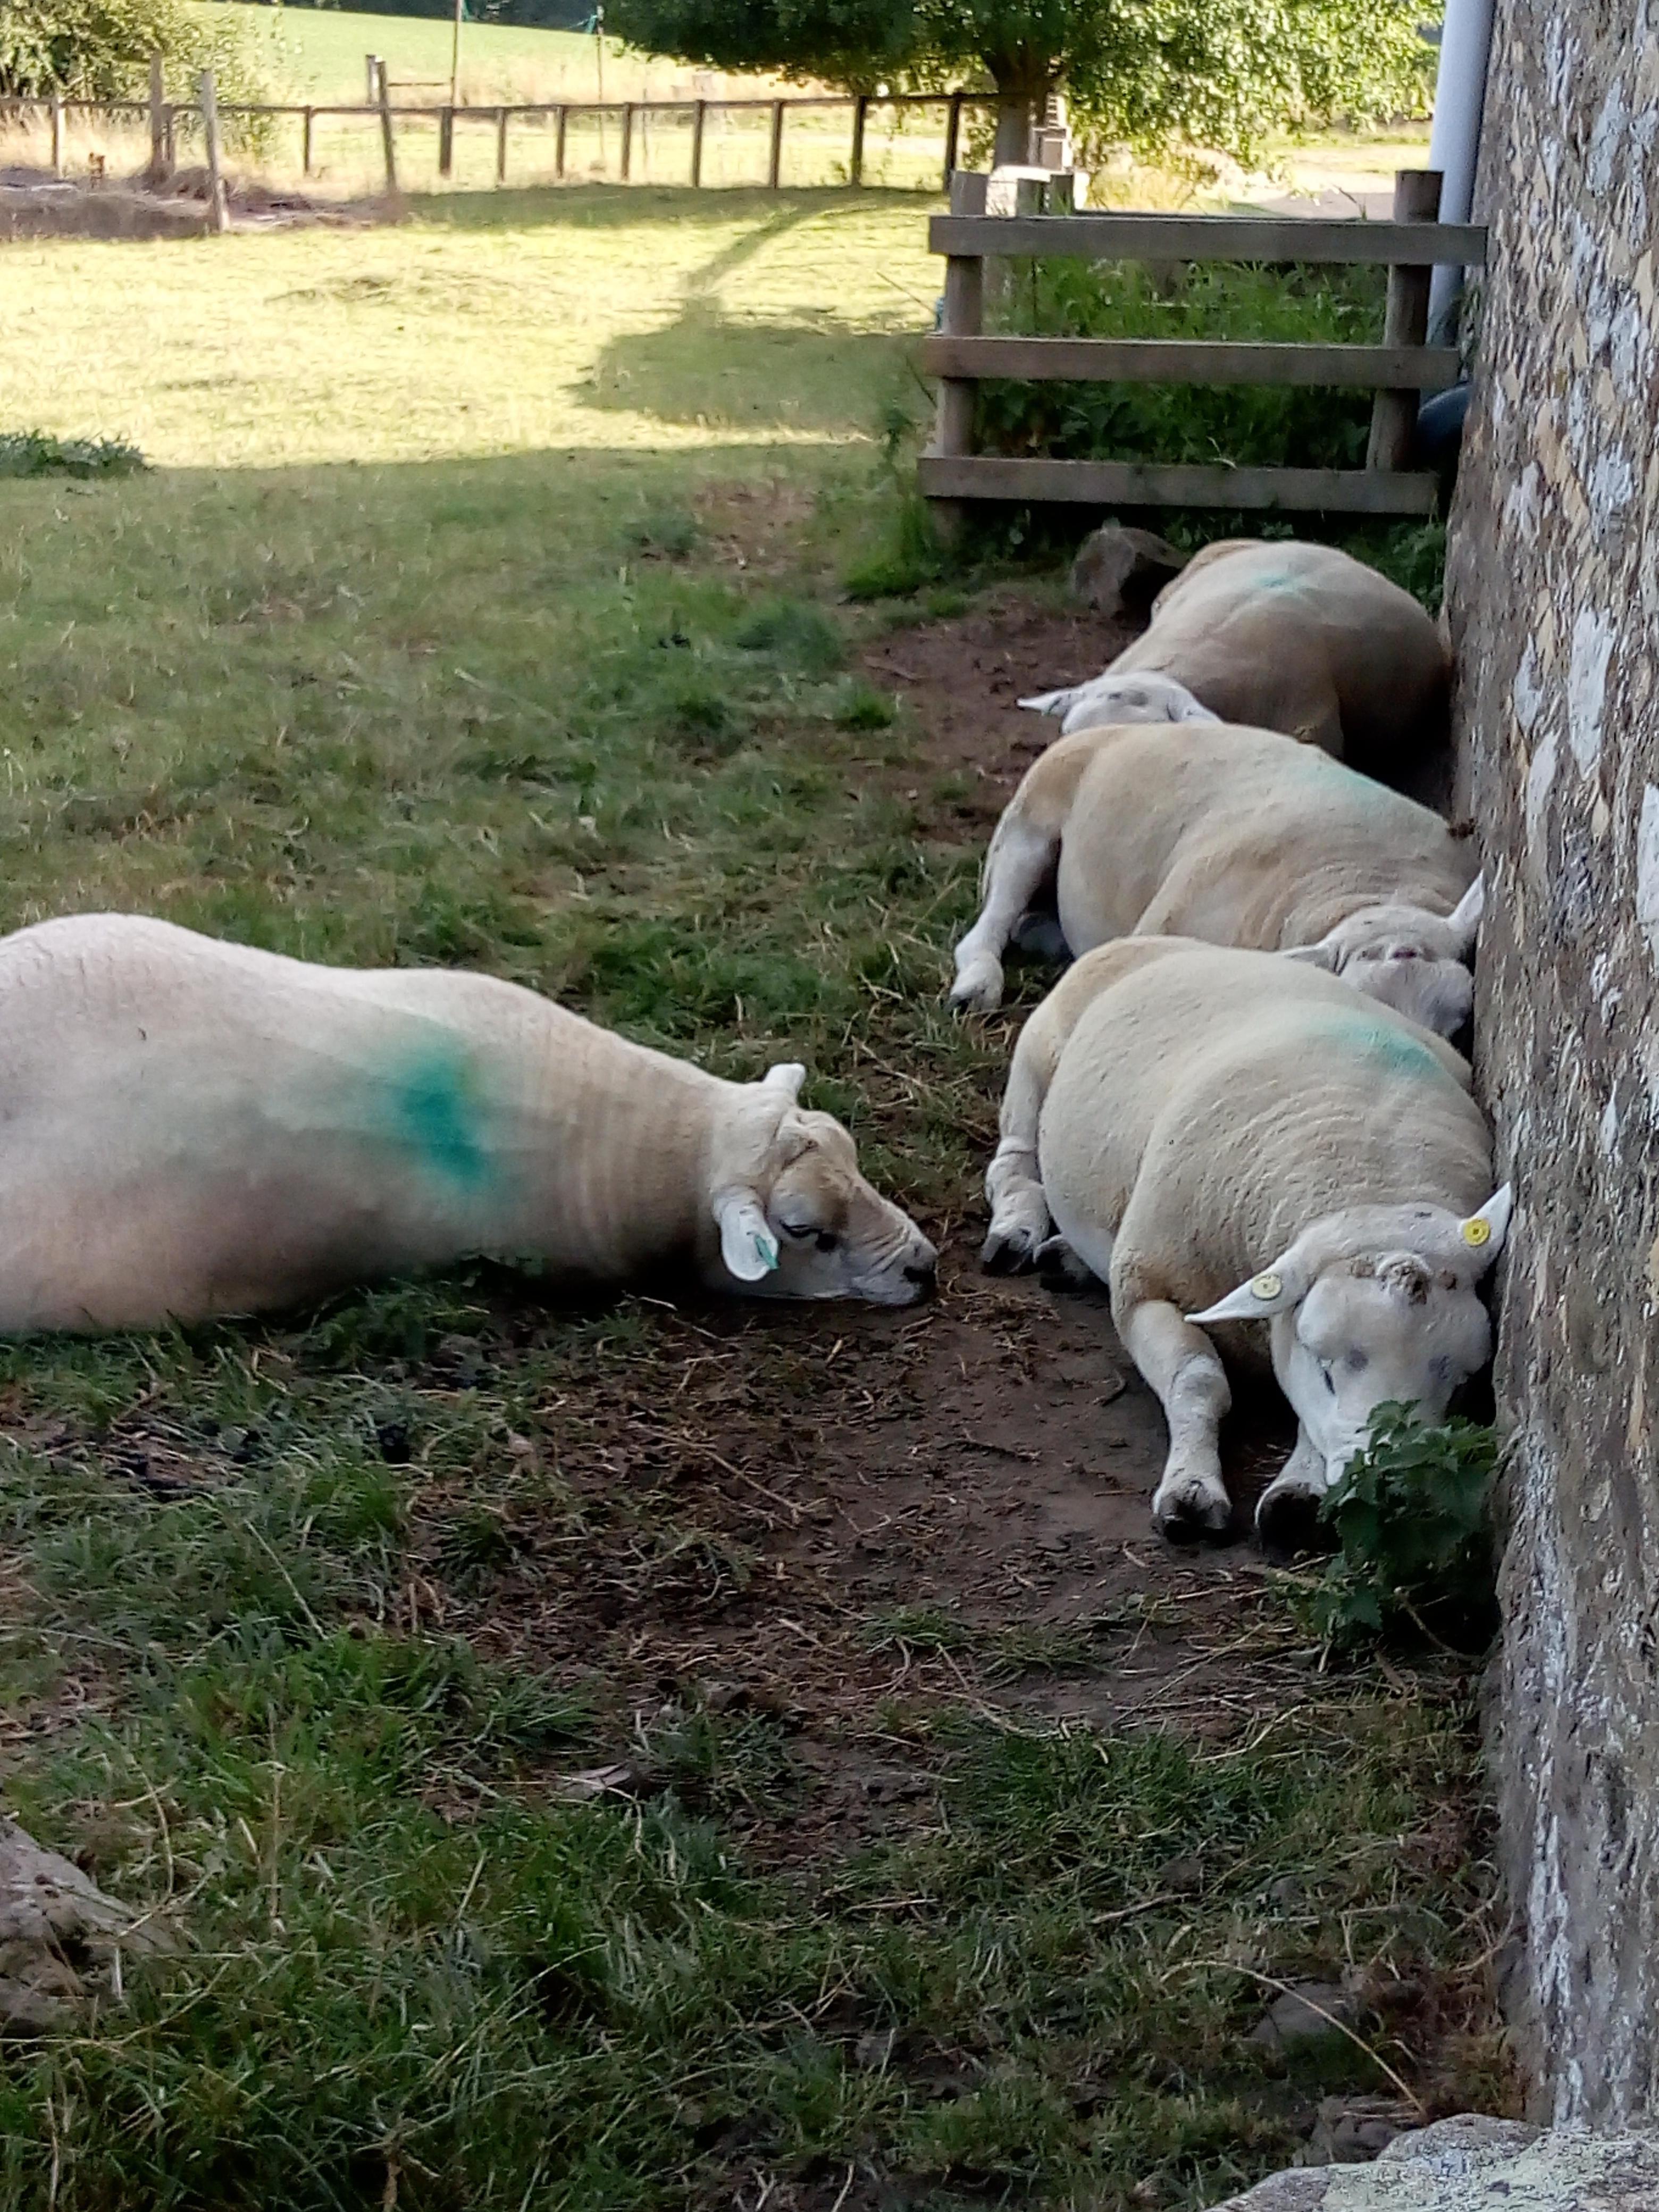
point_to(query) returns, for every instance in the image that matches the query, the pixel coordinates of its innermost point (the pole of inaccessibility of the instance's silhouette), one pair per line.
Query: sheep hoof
(1061, 1267)
(1288, 1525)
(1190, 1510)
(978, 988)
(1010, 1250)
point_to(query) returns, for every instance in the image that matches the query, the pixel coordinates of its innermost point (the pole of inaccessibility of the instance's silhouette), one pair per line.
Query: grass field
(483, 608)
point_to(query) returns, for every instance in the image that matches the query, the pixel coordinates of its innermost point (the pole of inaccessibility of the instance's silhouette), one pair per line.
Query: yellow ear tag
(1476, 1231)
(1266, 1286)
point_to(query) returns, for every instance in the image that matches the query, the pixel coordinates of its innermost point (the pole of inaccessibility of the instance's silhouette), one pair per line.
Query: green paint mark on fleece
(1394, 1051)
(433, 1108)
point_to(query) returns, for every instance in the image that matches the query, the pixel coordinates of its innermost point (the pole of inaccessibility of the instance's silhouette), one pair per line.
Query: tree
(1149, 73)
(100, 49)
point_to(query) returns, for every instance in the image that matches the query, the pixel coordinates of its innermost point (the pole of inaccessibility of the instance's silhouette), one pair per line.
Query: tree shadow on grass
(594, 207)
(710, 369)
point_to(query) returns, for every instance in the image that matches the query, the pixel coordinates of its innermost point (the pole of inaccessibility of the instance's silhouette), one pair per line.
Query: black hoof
(1292, 1527)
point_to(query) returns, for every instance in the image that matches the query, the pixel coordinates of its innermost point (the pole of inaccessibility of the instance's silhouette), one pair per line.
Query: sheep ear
(749, 1250)
(1485, 1232)
(1275, 1289)
(1465, 916)
(1322, 955)
(1050, 702)
(787, 1076)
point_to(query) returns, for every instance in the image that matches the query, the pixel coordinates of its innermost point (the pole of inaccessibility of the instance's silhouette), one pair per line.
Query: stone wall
(1554, 597)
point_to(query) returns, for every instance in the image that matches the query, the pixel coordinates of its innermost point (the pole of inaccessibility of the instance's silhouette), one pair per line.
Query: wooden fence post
(855, 164)
(445, 141)
(388, 144)
(627, 140)
(775, 152)
(964, 317)
(372, 68)
(699, 110)
(305, 143)
(158, 122)
(953, 138)
(216, 201)
(558, 141)
(1406, 322)
(57, 134)
(500, 145)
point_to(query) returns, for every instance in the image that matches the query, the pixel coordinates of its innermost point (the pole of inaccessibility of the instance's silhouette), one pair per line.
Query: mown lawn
(485, 608)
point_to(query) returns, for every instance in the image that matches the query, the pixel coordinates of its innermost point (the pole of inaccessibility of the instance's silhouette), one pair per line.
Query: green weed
(1411, 1514)
(36, 454)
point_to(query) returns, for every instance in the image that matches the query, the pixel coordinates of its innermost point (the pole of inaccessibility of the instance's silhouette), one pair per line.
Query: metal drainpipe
(1459, 96)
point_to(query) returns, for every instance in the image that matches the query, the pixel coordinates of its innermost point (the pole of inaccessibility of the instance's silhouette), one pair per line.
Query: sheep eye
(1330, 1381)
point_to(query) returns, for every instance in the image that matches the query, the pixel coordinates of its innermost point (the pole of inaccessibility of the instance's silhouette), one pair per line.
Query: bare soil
(845, 1525)
(34, 204)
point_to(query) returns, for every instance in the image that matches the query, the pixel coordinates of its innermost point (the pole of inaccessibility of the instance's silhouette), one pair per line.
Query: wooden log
(1190, 361)
(956, 478)
(500, 145)
(388, 142)
(1405, 322)
(775, 152)
(699, 111)
(1212, 237)
(158, 164)
(953, 138)
(855, 161)
(218, 206)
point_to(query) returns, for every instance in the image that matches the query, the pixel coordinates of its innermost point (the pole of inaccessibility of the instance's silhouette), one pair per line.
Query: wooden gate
(951, 474)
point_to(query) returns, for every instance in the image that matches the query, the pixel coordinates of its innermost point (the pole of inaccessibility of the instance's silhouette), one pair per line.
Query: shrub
(1410, 1516)
(100, 49)
(36, 454)
(1259, 425)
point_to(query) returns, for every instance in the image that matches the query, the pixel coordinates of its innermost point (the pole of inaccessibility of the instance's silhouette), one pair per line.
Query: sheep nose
(922, 1272)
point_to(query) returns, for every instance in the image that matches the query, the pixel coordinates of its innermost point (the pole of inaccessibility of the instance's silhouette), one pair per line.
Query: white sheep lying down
(1225, 1136)
(191, 1127)
(1286, 636)
(1239, 836)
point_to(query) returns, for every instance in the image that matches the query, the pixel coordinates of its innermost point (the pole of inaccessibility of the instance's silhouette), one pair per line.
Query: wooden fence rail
(952, 475)
(387, 114)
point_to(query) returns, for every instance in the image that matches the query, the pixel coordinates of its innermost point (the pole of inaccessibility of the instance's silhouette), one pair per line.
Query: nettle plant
(1411, 1514)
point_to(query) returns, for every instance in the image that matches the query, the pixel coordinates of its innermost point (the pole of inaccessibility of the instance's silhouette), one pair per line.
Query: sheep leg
(1019, 1212)
(1020, 861)
(1287, 1513)
(1181, 1364)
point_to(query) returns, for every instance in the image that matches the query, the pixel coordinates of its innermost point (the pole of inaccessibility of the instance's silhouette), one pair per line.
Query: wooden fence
(163, 116)
(951, 474)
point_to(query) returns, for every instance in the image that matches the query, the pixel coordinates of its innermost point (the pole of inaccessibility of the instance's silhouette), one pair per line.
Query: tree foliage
(1149, 73)
(100, 49)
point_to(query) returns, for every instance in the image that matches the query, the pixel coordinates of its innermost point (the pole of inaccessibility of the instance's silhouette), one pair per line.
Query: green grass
(556, 679)
(551, 322)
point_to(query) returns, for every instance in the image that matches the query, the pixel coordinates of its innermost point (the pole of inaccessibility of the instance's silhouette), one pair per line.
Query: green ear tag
(765, 1250)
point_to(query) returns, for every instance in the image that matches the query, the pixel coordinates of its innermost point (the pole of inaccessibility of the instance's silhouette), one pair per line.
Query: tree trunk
(1017, 114)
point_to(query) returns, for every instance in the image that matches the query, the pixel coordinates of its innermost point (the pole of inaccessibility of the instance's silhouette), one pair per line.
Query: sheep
(192, 1128)
(1241, 837)
(1287, 636)
(1223, 1137)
